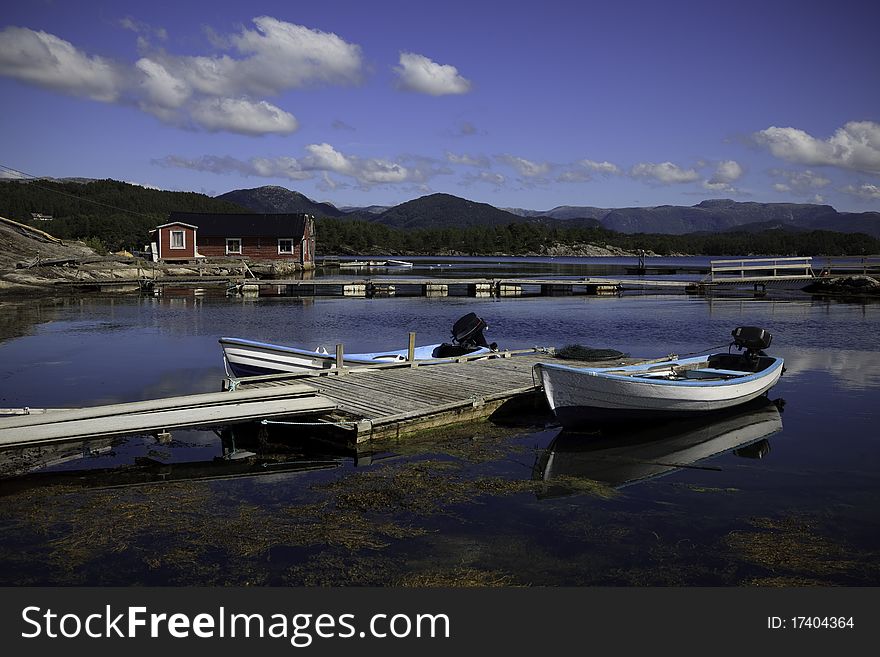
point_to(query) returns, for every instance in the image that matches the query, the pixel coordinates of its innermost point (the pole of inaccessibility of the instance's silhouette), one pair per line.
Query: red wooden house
(191, 235)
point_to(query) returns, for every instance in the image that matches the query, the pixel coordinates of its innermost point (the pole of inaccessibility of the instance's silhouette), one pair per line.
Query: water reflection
(852, 369)
(190, 455)
(620, 458)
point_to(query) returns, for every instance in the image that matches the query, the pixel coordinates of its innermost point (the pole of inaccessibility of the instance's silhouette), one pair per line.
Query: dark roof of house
(211, 224)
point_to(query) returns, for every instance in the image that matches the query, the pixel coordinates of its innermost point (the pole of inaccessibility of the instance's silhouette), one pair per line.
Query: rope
(310, 424)
(703, 351)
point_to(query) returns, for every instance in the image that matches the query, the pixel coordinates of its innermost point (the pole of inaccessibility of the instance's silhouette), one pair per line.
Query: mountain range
(445, 210)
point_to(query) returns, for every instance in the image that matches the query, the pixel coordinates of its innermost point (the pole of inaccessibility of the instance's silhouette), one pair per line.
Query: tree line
(111, 215)
(346, 237)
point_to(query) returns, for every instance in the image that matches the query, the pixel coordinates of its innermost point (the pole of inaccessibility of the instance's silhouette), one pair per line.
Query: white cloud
(606, 168)
(478, 161)
(218, 92)
(51, 62)
(319, 161)
(855, 146)
(525, 168)
(420, 74)
(160, 87)
(803, 183)
(323, 157)
(664, 172)
(583, 170)
(864, 191)
(726, 172)
(243, 116)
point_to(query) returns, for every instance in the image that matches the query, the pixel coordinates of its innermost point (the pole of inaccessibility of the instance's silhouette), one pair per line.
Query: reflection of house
(36, 216)
(190, 235)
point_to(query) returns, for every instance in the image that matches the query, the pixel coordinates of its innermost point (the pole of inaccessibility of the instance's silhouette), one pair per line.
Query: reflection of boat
(619, 458)
(583, 396)
(251, 358)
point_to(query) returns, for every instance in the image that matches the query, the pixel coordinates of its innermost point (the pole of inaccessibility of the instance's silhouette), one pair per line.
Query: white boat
(244, 357)
(374, 264)
(582, 397)
(626, 457)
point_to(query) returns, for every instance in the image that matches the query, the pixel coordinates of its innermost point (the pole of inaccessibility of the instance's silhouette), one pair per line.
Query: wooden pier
(159, 416)
(393, 400)
(355, 404)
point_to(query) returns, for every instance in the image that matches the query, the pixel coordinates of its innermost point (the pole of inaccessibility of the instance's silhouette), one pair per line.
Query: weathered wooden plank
(155, 405)
(147, 422)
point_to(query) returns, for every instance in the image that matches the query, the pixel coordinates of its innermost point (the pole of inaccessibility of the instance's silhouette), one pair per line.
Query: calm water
(780, 498)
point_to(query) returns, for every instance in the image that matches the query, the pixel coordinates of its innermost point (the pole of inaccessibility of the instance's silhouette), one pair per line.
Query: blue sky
(530, 105)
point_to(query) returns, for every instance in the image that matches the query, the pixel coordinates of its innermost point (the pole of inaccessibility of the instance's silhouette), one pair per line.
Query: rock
(845, 285)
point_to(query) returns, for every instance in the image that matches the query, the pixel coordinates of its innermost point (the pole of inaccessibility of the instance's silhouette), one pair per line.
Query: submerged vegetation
(462, 511)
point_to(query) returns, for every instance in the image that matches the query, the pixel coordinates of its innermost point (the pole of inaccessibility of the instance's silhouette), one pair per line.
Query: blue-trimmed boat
(243, 357)
(584, 397)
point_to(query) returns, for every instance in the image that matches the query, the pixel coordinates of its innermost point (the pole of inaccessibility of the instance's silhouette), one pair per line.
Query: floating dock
(353, 404)
(394, 400)
(159, 416)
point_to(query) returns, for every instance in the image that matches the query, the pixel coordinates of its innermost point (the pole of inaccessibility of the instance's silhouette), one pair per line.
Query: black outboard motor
(468, 331)
(753, 339)
(467, 336)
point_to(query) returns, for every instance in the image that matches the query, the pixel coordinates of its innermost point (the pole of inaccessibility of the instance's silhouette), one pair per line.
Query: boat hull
(250, 358)
(583, 397)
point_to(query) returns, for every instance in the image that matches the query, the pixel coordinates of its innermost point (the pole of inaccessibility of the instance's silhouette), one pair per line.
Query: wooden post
(339, 359)
(411, 348)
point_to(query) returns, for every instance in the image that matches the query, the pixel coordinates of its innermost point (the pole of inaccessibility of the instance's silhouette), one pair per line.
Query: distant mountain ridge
(446, 210)
(272, 199)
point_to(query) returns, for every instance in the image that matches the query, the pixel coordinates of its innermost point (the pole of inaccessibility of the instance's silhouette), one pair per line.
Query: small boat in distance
(586, 397)
(374, 264)
(243, 357)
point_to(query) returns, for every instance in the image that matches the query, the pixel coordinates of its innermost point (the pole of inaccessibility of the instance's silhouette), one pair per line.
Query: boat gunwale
(633, 370)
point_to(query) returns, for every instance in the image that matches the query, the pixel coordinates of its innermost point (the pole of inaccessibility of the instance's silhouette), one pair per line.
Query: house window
(233, 245)
(285, 245)
(178, 239)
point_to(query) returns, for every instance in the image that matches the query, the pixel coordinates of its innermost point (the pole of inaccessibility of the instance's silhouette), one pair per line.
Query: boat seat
(711, 371)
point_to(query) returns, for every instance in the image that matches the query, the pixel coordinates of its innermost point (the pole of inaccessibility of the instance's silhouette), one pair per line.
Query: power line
(30, 178)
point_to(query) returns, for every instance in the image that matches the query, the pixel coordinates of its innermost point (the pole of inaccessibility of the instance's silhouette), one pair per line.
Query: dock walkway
(160, 415)
(396, 399)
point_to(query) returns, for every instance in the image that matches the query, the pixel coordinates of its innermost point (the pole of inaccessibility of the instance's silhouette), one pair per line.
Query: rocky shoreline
(846, 286)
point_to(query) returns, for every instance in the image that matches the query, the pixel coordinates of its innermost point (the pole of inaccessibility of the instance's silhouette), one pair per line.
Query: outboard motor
(468, 331)
(467, 336)
(753, 339)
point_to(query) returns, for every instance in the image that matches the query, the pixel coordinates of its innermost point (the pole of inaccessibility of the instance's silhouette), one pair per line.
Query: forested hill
(448, 211)
(272, 199)
(445, 211)
(116, 215)
(111, 215)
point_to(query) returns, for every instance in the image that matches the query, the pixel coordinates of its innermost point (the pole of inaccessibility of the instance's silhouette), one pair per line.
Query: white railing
(763, 268)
